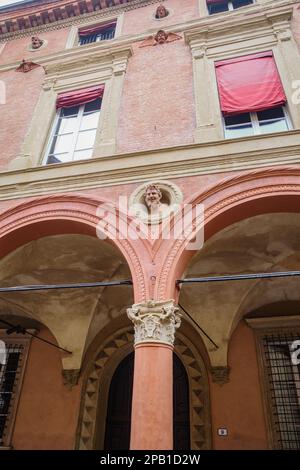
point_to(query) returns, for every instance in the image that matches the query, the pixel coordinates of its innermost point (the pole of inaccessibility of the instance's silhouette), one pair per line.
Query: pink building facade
(120, 162)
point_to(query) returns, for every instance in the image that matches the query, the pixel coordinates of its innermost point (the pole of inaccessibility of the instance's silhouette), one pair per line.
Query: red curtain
(97, 29)
(79, 97)
(249, 83)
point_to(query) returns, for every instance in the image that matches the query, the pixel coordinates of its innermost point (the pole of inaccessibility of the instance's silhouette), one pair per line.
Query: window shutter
(249, 83)
(96, 29)
(79, 97)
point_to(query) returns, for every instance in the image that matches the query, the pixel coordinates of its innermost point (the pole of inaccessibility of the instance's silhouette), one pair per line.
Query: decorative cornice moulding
(57, 17)
(236, 28)
(176, 162)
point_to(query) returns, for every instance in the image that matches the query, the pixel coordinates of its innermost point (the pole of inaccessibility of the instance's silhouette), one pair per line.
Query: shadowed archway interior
(118, 419)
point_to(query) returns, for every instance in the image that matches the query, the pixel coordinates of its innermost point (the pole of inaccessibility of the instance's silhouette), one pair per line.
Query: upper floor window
(75, 126)
(217, 6)
(262, 122)
(97, 33)
(251, 96)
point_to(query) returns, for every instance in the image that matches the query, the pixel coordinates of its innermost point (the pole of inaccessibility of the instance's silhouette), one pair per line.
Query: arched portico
(54, 240)
(233, 199)
(237, 203)
(75, 214)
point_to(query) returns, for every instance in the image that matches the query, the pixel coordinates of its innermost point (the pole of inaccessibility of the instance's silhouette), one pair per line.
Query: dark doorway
(181, 409)
(117, 432)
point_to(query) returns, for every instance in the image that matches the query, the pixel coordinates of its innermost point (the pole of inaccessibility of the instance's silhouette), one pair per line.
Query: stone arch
(277, 292)
(200, 422)
(101, 369)
(69, 213)
(97, 377)
(253, 193)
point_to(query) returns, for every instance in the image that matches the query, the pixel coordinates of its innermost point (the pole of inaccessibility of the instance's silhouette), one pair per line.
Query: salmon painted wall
(238, 405)
(48, 411)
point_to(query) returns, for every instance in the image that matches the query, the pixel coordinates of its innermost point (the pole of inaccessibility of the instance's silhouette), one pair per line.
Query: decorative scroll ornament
(26, 66)
(161, 37)
(155, 321)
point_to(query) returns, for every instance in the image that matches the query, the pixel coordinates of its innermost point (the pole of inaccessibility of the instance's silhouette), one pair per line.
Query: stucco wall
(237, 405)
(48, 411)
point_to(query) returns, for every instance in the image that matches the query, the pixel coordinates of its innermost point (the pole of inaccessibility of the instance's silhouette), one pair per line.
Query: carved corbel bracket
(220, 374)
(70, 377)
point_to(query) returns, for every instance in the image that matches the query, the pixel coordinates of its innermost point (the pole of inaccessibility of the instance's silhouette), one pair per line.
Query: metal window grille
(283, 381)
(104, 35)
(9, 378)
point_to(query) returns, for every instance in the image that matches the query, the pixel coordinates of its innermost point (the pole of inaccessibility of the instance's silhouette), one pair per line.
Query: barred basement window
(283, 388)
(11, 373)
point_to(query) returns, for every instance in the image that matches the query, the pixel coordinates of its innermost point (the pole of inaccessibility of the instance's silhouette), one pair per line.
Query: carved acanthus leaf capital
(155, 321)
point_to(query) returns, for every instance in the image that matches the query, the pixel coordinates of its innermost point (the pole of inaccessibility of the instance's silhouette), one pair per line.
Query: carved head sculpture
(161, 12)
(36, 42)
(153, 197)
(161, 37)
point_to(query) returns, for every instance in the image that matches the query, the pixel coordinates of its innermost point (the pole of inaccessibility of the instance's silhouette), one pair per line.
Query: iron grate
(283, 379)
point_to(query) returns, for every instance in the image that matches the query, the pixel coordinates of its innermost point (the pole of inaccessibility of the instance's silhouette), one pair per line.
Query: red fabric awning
(249, 83)
(96, 29)
(79, 97)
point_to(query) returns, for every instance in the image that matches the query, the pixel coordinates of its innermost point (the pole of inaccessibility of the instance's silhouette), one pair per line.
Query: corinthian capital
(155, 321)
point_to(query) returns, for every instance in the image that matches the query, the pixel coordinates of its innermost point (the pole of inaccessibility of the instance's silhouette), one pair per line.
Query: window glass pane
(270, 114)
(241, 3)
(89, 121)
(62, 143)
(67, 125)
(238, 119)
(217, 7)
(85, 139)
(92, 106)
(238, 131)
(65, 157)
(60, 158)
(83, 154)
(273, 126)
(69, 111)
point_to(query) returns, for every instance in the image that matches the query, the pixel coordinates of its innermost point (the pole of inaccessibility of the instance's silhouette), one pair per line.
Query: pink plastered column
(155, 324)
